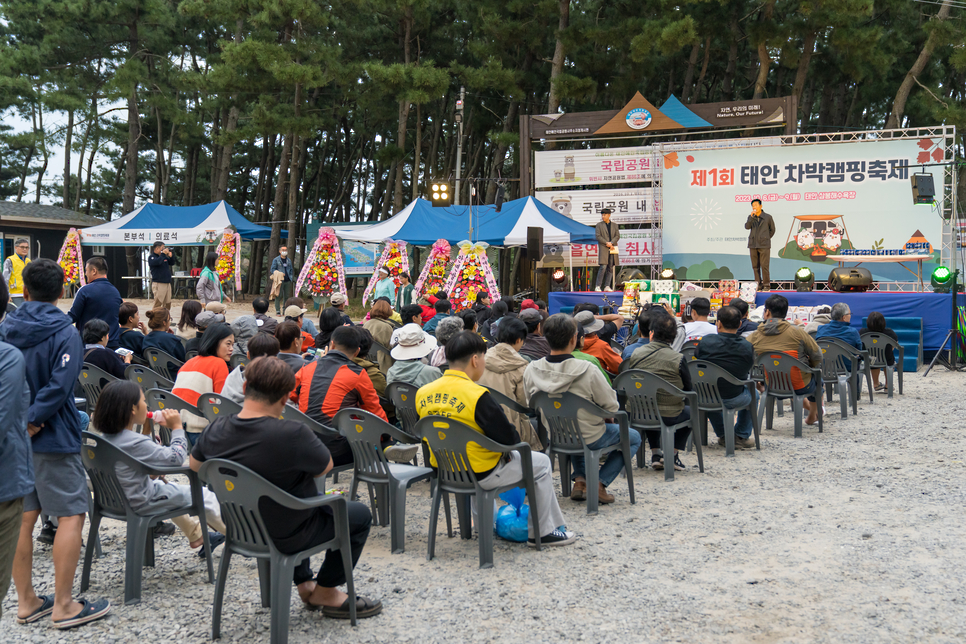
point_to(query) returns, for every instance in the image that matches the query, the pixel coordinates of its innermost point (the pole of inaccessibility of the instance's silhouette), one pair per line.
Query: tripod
(954, 337)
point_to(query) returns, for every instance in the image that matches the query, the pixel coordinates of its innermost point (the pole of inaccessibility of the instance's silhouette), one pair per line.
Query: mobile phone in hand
(123, 352)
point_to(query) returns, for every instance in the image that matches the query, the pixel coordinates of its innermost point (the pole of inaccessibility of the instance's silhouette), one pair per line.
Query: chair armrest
(160, 471)
(295, 503)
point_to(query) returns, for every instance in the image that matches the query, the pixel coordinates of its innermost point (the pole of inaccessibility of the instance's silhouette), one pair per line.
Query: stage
(935, 309)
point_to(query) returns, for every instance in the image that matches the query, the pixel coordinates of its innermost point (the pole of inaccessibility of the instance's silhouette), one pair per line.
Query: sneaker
(678, 465)
(215, 539)
(401, 453)
(555, 538)
(164, 529)
(47, 533)
(597, 289)
(657, 462)
(744, 443)
(579, 491)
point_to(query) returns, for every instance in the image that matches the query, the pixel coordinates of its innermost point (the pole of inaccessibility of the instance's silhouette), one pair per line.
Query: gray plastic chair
(213, 406)
(158, 399)
(777, 372)
(837, 376)
(364, 432)
(690, 352)
(188, 355)
(237, 360)
(639, 390)
(448, 441)
(566, 441)
(513, 405)
(146, 378)
(858, 357)
(100, 460)
(704, 379)
(292, 413)
(163, 363)
(376, 349)
(93, 379)
(877, 344)
(239, 491)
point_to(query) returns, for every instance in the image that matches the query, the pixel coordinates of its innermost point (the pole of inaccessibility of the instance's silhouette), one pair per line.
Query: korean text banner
(564, 168)
(636, 248)
(630, 205)
(824, 198)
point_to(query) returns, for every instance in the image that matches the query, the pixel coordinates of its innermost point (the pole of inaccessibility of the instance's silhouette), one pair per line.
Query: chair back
(834, 359)
(639, 389)
(158, 399)
(163, 363)
(188, 355)
(502, 399)
(236, 360)
(146, 378)
(616, 346)
(292, 413)
(448, 439)
(11, 307)
(690, 344)
(690, 352)
(364, 432)
(93, 379)
(403, 397)
(213, 406)
(877, 345)
(777, 369)
(100, 459)
(560, 416)
(704, 380)
(376, 349)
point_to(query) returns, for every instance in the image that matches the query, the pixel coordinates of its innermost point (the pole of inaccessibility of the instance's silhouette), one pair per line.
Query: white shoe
(597, 289)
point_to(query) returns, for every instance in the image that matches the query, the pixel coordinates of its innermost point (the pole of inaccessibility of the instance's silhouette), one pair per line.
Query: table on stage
(884, 259)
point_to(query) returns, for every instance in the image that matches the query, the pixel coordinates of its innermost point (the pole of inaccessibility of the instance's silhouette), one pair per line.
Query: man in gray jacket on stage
(608, 235)
(762, 228)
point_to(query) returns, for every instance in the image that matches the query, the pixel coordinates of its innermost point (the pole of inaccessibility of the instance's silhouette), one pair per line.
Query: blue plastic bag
(512, 520)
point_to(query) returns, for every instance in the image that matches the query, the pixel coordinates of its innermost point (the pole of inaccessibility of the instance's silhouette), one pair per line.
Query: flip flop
(45, 609)
(364, 608)
(90, 612)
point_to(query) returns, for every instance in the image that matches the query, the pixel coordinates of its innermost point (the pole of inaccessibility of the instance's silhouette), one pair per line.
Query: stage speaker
(534, 244)
(855, 279)
(923, 189)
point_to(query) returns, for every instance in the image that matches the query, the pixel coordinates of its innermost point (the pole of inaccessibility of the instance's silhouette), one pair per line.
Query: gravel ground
(846, 536)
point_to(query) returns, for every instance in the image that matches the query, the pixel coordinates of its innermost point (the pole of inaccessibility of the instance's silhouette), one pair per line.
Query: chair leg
(700, 457)
(220, 582)
(868, 381)
(890, 378)
(755, 423)
(592, 475)
(92, 538)
(433, 520)
(484, 502)
(397, 519)
(641, 456)
(137, 534)
(728, 417)
(628, 461)
(149, 550)
(770, 411)
(781, 407)
(844, 396)
(281, 599)
(667, 446)
(798, 409)
(93, 534)
(354, 488)
(828, 392)
(856, 392)
(566, 485)
(265, 581)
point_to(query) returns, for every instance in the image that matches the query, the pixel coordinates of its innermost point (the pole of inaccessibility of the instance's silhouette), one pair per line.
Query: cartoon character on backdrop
(805, 239)
(563, 205)
(833, 239)
(569, 170)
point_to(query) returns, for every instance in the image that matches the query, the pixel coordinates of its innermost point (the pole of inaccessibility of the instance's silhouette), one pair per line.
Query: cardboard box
(673, 299)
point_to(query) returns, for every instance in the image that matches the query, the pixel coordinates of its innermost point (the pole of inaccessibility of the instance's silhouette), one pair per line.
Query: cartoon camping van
(815, 237)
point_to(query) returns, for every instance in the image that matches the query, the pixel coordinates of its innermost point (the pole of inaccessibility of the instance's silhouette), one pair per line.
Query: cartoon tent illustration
(919, 238)
(815, 237)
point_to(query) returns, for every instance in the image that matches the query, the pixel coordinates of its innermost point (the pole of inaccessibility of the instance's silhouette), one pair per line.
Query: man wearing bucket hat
(410, 345)
(593, 345)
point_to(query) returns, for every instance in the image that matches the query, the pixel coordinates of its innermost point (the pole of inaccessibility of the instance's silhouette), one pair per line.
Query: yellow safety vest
(16, 275)
(455, 396)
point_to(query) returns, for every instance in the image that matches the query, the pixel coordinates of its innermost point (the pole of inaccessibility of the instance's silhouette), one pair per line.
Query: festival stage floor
(935, 309)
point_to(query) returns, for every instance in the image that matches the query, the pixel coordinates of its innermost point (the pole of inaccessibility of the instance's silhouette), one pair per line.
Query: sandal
(45, 609)
(365, 607)
(90, 612)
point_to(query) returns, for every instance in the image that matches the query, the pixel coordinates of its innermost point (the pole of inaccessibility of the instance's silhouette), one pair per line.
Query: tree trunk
(131, 168)
(68, 138)
(689, 75)
(808, 48)
(220, 190)
(764, 58)
(278, 209)
(696, 97)
(899, 104)
(417, 153)
(43, 149)
(559, 55)
(727, 84)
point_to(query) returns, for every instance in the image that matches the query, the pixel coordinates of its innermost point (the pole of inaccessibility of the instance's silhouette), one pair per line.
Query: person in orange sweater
(204, 374)
(593, 345)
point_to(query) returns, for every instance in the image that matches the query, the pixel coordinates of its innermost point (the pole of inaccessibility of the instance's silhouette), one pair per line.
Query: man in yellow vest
(13, 270)
(457, 396)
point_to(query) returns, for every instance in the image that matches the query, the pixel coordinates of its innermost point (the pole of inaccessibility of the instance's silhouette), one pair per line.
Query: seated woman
(187, 327)
(159, 321)
(876, 323)
(503, 372)
(381, 329)
(132, 328)
(330, 319)
(119, 408)
(411, 347)
(204, 374)
(96, 334)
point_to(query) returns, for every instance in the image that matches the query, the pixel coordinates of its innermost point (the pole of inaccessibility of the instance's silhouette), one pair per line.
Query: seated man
(535, 346)
(266, 323)
(333, 382)
(560, 372)
(735, 355)
(643, 330)
(747, 326)
(96, 336)
(443, 308)
(659, 358)
(289, 337)
(410, 346)
(295, 313)
(339, 301)
(594, 345)
(699, 325)
(775, 334)
(612, 321)
(839, 328)
(289, 455)
(457, 396)
(262, 344)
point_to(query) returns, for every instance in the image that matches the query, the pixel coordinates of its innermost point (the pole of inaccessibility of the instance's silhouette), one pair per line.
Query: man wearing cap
(593, 345)
(203, 320)
(608, 234)
(216, 307)
(296, 313)
(339, 301)
(535, 346)
(385, 287)
(283, 265)
(409, 346)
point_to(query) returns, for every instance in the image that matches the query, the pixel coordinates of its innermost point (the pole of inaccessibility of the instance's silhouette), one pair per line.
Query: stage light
(667, 274)
(559, 276)
(804, 280)
(440, 194)
(941, 279)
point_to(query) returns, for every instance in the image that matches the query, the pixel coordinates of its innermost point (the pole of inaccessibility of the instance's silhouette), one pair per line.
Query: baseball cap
(528, 304)
(531, 315)
(294, 311)
(588, 322)
(337, 299)
(411, 342)
(207, 318)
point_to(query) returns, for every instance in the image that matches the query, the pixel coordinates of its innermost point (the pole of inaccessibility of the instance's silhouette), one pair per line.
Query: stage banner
(824, 198)
(630, 205)
(560, 168)
(636, 248)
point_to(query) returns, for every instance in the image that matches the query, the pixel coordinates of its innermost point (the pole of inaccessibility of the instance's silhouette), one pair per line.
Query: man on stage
(608, 235)
(762, 228)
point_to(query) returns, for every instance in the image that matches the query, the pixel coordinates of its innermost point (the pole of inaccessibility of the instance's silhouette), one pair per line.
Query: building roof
(20, 212)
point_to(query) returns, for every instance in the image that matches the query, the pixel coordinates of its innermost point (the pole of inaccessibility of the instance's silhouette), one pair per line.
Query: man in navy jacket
(160, 261)
(53, 353)
(98, 299)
